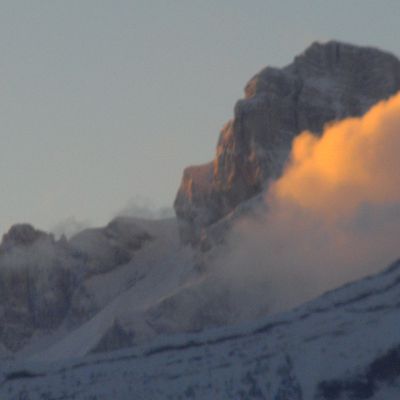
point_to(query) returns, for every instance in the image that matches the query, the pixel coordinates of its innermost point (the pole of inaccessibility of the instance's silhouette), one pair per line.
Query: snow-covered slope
(121, 297)
(343, 345)
(88, 293)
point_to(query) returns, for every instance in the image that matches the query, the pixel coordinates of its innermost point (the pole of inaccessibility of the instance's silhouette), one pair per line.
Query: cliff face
(327, 82)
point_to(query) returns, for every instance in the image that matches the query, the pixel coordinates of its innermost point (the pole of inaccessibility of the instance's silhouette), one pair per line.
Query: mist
(142, 207)
(68, 227)
(332, 217)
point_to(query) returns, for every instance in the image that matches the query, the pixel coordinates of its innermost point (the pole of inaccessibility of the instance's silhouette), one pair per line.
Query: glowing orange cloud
(332, 217)
(356, 160)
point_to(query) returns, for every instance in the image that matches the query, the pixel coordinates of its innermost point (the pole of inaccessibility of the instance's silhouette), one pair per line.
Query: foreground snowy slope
(343, 345)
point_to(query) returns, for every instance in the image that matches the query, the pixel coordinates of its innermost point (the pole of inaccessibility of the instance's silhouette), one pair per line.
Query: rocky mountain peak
(21, 235)
(328, 81)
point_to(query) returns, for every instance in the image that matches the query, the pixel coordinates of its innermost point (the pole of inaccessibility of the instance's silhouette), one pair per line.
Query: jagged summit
(333, 50)
(328, 81)
(21, 235)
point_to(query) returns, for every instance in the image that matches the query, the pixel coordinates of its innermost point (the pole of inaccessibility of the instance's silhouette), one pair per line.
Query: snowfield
(342, 345)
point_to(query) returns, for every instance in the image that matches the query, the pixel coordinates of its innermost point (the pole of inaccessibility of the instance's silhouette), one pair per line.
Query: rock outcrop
(327, 82)
(36, 282)
(22, 235)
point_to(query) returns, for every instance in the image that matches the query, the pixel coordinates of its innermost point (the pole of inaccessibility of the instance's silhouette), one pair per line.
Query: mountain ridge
(150, 285)
(326, 82)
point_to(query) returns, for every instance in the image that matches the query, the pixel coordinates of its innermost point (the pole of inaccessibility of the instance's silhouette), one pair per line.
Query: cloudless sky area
(103, 103)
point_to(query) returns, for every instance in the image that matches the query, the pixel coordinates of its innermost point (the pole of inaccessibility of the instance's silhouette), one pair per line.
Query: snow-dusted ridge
(343, 345)
(115, 274)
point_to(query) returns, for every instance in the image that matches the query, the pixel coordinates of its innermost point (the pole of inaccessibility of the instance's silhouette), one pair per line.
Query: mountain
(329, 81)
(148, 292)
(342, 345)
(96, 284)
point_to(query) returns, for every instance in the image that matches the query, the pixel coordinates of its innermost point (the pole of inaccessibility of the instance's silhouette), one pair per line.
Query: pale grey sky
(102, 102)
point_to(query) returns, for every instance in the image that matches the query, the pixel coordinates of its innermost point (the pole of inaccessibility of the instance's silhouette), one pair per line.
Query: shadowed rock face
(36, 283)
(23, 235)
(327, 82)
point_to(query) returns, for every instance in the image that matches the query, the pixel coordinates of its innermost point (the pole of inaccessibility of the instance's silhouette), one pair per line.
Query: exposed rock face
(327, 82)
(23, 235)
(36, 282)
(111, 246)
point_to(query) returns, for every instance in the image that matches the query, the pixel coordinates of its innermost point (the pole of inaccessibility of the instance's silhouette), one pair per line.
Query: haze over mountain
(302, 197)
